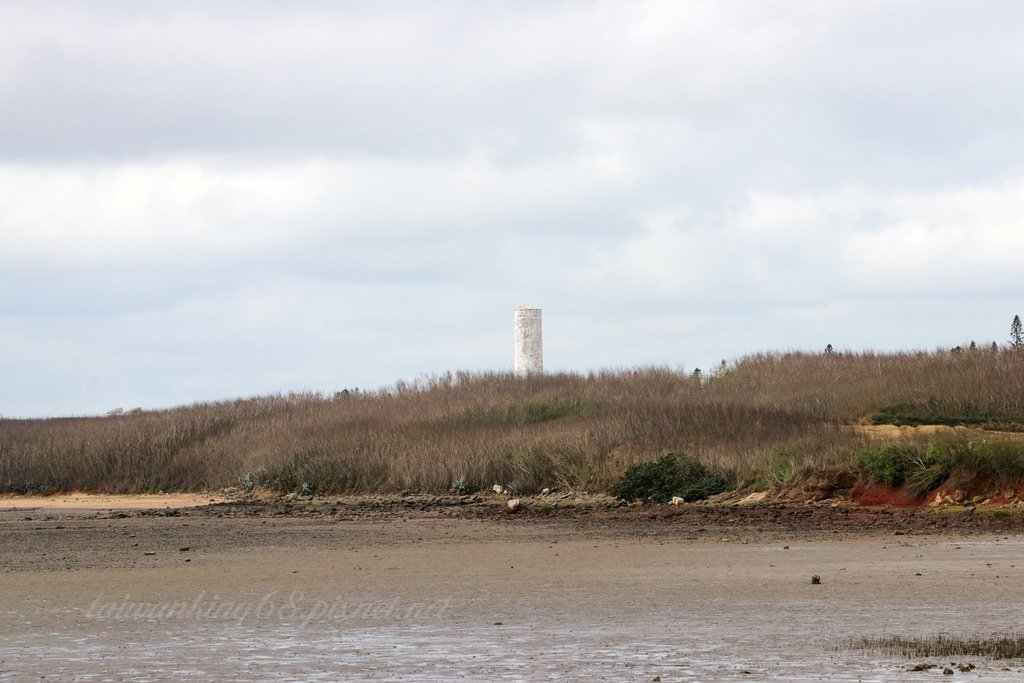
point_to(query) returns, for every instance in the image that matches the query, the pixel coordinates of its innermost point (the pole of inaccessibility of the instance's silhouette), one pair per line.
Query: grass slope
(765, 420)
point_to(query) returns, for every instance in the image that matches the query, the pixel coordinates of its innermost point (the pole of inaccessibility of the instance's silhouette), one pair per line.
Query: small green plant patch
(932, 413)
(888, 464)
(674, 474)
(961, 460)
(32, 487)
(983, 459)
(921, 468)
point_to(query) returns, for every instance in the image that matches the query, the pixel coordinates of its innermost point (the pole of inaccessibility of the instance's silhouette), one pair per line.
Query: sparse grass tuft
(1006, 646)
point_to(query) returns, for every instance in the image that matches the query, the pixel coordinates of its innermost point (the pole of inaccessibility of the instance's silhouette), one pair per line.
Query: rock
(676, 500)
(497, 488)
(514, 505)
(545, 492)
(756, 497)
(816, 580)
(921, 667)
(965, 667)
(184, 549)
(947, 671)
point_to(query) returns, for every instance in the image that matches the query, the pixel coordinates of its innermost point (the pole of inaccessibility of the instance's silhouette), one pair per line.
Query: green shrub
(927, 479)
(983, 459)
(921, 469)
(674, 474)
(964, 461)
(887, 464)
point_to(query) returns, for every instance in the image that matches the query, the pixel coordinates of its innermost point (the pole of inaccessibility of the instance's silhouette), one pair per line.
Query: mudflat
(436, 592)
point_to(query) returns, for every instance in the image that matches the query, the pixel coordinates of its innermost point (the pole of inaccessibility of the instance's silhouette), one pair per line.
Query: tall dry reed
(762, 415)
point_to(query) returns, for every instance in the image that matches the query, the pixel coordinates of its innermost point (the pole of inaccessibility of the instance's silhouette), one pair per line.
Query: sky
(201, 201)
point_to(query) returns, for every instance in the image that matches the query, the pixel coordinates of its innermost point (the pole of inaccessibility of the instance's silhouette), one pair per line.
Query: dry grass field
(764, 421)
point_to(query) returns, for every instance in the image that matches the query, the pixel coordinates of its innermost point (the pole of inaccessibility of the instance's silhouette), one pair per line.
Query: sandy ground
(97, 501)
(425, 593)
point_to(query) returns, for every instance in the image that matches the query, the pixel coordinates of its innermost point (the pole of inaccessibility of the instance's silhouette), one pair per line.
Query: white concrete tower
(529, 342)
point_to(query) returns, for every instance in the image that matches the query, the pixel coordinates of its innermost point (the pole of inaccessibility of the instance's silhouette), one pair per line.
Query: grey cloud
(879, 91)
(203, 200)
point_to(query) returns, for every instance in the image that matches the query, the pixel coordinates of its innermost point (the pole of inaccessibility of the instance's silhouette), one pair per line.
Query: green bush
(964, 461)
(982, 460)
(887, 464)
(921, 469)
(674, 474)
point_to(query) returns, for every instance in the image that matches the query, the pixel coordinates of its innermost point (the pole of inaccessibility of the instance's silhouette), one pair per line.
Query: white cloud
(845, 243)
(204, 199)
(168, 211)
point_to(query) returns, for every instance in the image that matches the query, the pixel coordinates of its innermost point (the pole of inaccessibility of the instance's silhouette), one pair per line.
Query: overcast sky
(203, 200)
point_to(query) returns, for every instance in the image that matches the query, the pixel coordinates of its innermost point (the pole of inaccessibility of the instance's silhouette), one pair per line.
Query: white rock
(676, 500)
(756, 497)
(497, 488)
(513, 505)
(545, 492)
